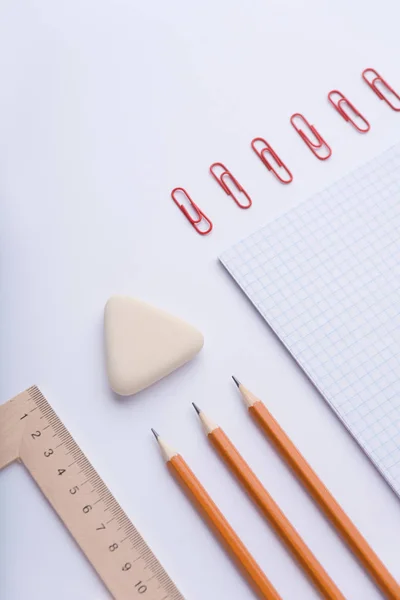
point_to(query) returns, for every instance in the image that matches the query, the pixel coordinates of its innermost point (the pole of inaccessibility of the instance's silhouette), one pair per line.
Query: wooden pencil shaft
(220, 526)
(275, 516)
(324, 499)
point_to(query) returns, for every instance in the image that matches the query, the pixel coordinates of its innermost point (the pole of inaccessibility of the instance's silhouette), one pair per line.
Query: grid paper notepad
(326, 277)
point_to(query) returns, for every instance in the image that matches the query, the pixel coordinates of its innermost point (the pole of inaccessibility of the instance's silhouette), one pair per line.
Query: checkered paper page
(326, 277)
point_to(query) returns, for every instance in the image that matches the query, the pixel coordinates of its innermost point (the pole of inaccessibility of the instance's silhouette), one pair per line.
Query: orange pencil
(321, 495)
(257, 492)
(216, 520)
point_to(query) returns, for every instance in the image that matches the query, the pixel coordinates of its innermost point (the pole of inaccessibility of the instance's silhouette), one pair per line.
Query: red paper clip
(314, 147)
(385, 92)
(199, 215)
(228, 175)
(340, 103)
(262, 152)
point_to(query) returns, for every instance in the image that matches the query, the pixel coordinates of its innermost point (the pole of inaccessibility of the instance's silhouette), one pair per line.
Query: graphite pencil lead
(155, 433)
(235, 380)
(196, 408)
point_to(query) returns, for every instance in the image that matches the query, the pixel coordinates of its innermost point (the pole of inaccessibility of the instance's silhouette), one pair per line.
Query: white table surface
(105, 106)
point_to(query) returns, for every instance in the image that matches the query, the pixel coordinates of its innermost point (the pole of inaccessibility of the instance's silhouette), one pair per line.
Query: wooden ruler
(31, 432)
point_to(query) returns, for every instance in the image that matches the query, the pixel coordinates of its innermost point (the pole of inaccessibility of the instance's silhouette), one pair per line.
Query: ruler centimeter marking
(31, 432)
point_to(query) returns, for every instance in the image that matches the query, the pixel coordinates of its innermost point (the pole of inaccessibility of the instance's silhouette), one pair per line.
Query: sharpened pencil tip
(235, 380)
(155, 433)
(196, 408)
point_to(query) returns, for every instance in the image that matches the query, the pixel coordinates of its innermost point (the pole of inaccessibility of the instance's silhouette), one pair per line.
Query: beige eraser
(144, 344)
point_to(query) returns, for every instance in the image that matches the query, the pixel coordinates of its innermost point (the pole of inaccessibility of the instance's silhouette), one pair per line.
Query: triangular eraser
(144, 344)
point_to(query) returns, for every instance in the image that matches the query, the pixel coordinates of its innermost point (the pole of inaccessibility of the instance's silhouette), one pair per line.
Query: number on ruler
(36, 434)
(48, 452)
(141, 588)
(86, 508)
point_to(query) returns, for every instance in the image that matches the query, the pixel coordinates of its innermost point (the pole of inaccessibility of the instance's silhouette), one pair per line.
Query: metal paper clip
(386, 89)
(314, 147)
(228, 175)
(262, 152)
(199, 215)
(340, 102)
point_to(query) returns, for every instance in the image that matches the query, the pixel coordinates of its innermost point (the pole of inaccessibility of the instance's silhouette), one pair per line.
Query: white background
(105, 106)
